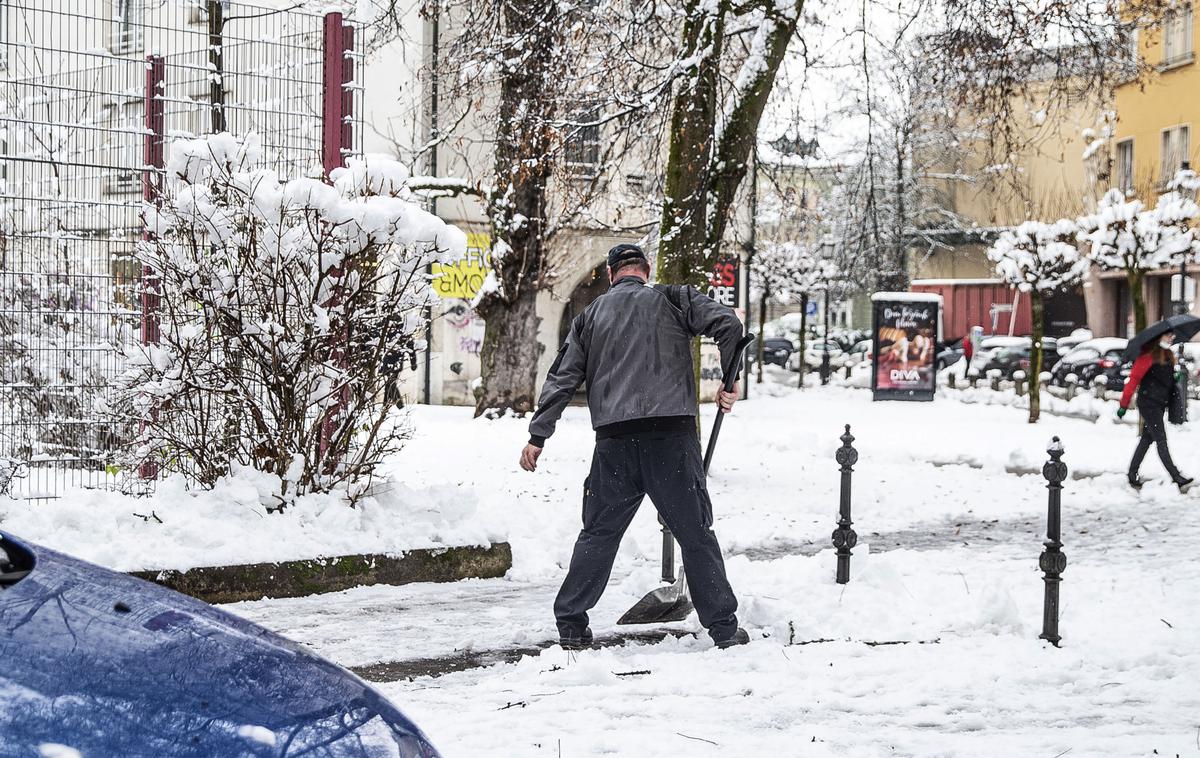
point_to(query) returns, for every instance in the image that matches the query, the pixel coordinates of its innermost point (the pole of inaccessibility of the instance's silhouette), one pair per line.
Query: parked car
(1009, 360)
(951, 353)
(1073, 340)
(776, 350)
(859, 352)
(1091, 359)
(110, 665)
(989, 345)
(1013, 356)
(814, 351)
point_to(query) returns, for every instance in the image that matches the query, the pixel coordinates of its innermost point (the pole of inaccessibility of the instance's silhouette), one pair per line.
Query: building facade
(1151, 143)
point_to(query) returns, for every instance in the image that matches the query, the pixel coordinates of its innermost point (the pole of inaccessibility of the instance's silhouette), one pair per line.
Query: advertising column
(905, 328)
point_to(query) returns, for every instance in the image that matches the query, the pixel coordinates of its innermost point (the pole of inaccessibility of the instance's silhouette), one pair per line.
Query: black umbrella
(1185, 326)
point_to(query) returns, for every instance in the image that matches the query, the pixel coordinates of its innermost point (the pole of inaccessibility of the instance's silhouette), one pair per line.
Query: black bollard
(1052, 560)
(844, 538)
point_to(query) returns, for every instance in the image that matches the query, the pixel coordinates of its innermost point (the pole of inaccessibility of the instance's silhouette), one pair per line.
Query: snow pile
(178, 528)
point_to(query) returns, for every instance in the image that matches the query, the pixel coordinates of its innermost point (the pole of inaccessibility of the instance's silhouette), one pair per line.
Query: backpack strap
(673, 293)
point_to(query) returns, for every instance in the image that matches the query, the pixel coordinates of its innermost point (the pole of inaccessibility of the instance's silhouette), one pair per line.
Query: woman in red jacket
(1153, 376)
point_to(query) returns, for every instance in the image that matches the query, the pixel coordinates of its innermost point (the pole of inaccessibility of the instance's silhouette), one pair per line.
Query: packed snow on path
(951, 578)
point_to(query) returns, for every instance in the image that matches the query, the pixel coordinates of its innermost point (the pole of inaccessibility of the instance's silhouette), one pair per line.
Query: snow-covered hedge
(287, 310)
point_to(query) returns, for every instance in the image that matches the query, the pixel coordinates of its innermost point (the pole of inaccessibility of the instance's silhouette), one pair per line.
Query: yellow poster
(462, 279)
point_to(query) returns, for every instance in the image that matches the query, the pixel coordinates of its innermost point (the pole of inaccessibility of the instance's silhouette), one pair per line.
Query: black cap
(624, 253)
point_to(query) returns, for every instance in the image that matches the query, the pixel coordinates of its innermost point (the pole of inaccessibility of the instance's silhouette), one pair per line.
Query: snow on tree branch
(1039, 255)
(1125, 235)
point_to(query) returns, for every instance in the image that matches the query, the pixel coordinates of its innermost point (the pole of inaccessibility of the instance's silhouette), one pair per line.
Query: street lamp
(827, 247)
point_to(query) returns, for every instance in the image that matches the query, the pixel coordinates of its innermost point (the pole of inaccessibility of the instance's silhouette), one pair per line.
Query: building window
(582, 150)
(128, 19)
(123, 146)
(199, 11)
(1125, 166)
(1177, 36)
(1175, 149)
(4, 40)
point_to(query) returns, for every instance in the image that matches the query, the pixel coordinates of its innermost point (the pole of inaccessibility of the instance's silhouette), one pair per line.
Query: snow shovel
(672, 602)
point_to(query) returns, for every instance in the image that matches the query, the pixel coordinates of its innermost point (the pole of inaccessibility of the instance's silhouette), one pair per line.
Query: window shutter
(1185, 47)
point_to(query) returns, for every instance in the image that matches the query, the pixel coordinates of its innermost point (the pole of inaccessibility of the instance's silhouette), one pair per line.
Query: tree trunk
(517, 211)
(683, 238)
(803, 332)
(1038, 309)
(1134, 279)
(509, 356)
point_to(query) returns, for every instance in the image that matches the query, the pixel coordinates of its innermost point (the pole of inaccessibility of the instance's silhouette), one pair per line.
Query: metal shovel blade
(667, 603)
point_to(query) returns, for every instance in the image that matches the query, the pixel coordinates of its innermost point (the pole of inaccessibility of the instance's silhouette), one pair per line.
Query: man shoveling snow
(633, 346)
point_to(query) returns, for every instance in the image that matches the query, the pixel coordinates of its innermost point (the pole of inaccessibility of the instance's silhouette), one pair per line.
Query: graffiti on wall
(465, 327)
(462, 278)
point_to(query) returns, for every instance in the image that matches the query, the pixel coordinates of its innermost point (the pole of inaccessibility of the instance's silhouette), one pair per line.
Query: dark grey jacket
(633, 347)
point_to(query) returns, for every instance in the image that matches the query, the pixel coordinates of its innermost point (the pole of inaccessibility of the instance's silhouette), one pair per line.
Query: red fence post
(152, 159)
(337, 108)
(152, 179)
(337, 99)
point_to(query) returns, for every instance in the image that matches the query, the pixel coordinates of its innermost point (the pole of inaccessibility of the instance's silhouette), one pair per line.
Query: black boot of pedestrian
(740, 637)
(576, 640)
(1183, 483)
(1135, 481)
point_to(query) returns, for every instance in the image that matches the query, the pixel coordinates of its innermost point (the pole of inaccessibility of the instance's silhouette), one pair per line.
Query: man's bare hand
(529, 457)
(727, 399)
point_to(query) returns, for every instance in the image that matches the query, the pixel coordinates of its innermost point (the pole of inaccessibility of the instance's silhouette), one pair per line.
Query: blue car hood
(111, 665)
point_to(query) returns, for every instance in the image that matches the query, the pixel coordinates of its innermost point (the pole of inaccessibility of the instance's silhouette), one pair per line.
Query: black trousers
(1154, 430)
(670, 469)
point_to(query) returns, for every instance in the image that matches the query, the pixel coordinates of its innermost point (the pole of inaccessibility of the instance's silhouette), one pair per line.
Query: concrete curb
(254, 581)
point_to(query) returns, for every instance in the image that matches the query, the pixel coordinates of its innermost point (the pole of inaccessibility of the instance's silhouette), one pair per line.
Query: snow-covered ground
(950, 574)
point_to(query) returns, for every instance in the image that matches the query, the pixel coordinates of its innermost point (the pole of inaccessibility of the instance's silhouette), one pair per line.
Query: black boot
(740, 637)
(1183, 483)
(1135, 481)
(579, 640)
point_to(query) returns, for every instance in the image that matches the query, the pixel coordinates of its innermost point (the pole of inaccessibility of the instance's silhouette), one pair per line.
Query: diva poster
(905, 335)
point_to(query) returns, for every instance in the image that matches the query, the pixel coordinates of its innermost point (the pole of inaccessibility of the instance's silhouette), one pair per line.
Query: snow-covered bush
(52, 352)
(1126, 236)
(287, 309)
(1038, 259)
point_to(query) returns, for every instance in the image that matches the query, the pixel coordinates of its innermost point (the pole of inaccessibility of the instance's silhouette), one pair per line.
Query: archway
(591, 286)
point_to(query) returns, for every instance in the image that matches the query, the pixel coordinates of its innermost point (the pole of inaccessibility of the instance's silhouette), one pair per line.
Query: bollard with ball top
(844, 538)
(1052, 560)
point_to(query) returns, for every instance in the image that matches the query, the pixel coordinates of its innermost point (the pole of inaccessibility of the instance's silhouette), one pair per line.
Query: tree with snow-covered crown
(286, 311)
(1038, 259)
(789, 272)
(716, 109)
(1126, 236)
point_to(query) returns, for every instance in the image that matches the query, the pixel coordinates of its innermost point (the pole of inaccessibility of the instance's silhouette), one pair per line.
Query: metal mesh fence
(74, 167)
